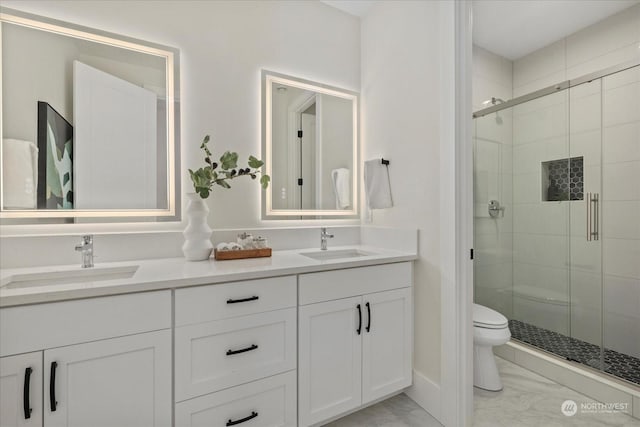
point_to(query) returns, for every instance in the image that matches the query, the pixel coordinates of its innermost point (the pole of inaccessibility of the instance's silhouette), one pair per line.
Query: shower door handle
(593, 216)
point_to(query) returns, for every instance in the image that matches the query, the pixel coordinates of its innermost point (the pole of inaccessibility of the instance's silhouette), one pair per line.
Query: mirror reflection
(312, 144)
(86, 121)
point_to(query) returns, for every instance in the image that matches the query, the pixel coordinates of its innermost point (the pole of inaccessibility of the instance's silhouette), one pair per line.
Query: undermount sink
(336, 254)
(48, 278)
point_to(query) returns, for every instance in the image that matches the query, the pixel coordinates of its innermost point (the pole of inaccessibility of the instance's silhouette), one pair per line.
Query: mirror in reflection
(87, 121)
(311, 143)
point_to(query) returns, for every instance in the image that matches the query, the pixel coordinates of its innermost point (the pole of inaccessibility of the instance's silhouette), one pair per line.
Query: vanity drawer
(270, 402)
(213, 302)
(39, 326)
(221, 354)
(336, 284)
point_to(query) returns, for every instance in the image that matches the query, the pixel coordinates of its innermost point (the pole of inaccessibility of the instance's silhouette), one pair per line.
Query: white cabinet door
(124, 382)
(386, 343)
(329, 358)
(21, 390)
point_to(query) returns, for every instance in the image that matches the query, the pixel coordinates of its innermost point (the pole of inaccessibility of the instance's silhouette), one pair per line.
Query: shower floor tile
(618, 364)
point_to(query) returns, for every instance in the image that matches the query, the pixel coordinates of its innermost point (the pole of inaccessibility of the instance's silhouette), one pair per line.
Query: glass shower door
(585, 203)
(620, 223)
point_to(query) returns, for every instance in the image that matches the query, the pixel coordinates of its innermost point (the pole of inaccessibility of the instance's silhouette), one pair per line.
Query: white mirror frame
(172, 59)
(268, 79)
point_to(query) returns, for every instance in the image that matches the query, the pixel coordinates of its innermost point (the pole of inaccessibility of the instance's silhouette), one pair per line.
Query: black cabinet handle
(368, 317)
(359, 320)
(25, 395)
(235, 301)
(245, 419)
(52, 387)
(242, 350)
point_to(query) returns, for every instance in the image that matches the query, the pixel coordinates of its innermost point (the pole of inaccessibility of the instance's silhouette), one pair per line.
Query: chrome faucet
(86, 247)
(323, 238)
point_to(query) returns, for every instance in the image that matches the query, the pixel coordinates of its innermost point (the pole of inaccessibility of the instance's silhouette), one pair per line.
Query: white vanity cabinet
(355, 338)
(235, 354)
(101, 361)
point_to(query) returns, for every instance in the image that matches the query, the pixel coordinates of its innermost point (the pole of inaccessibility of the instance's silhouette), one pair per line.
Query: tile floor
(528, 400)
(618, 364)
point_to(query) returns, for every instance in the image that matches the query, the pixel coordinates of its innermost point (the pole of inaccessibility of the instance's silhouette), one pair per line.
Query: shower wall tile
(586, 255)
(621, 219)
(541, 218)
(546, 123)
(542, 281)
(492, 67)
(609, 42)
(526, 188)
(620, 257)
(622, 104)
(608, 35)
(622, 314)
(544, 250)
(585, 112)
(621, 143)
(540, 64)
(622, 78)
(620, 181)
(619, 56)
(587, 145)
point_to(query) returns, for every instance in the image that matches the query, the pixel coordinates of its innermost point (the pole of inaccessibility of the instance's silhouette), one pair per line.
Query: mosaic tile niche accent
(563, 179)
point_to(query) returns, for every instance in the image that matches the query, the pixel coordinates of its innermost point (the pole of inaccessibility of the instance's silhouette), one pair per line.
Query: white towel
(376, 185)
(342, 187)
(19, 174)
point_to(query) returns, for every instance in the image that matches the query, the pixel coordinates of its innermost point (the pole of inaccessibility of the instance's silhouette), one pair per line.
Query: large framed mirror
(89, 124)
(310, 147)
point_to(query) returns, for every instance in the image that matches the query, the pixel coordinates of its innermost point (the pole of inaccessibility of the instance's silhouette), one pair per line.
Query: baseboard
(427, 394)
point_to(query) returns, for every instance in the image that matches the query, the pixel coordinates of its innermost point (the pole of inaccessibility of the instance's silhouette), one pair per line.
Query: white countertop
(171, 273)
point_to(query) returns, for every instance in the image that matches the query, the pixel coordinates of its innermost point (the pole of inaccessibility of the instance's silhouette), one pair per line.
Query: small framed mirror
(90, 125)
(310, 148)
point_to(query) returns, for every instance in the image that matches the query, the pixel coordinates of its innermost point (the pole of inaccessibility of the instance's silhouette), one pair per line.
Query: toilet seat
(484, 317)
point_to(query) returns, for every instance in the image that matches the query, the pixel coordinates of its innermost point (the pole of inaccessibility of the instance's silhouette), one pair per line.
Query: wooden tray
(241, 254)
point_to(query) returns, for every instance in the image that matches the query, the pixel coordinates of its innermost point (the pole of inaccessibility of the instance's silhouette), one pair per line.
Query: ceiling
(515, 28)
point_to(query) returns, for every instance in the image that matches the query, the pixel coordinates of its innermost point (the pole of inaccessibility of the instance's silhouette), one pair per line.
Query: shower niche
(562, 179)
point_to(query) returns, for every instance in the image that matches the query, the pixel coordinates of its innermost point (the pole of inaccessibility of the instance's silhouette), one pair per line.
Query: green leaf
(264, 181)
(255, 163)
(229, 160)
(222, 183)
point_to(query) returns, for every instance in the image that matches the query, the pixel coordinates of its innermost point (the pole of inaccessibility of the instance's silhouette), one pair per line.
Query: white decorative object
(197, 245)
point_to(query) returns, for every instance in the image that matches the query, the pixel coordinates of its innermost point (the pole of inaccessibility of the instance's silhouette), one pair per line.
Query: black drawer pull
(52, 387)
(245, 419)
(25, 395)
(359, 320)
(242, 350)
(368, 317)
(235, 301)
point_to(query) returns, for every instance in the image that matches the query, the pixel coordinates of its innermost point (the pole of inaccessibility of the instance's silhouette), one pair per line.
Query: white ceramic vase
(197, 236)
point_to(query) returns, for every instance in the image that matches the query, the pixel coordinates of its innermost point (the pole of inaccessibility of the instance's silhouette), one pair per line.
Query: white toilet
(490, 328)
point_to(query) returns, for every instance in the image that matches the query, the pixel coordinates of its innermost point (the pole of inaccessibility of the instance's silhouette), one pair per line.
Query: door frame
(456, 231)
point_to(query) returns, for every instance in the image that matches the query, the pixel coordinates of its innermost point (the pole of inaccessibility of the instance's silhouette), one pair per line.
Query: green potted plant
(197, 245)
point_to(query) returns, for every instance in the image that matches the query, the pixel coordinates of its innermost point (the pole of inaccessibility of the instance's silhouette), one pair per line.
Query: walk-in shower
(557, 218)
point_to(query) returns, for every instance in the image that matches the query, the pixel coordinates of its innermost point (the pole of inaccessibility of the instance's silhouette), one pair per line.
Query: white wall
(400, 121)
(223, 46)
